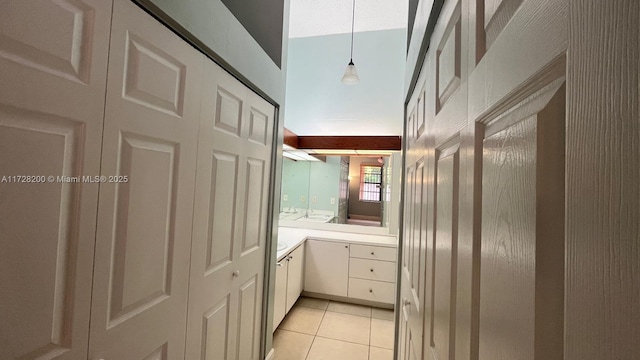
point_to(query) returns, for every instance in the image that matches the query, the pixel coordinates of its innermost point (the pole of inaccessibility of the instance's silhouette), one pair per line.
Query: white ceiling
(326, 17)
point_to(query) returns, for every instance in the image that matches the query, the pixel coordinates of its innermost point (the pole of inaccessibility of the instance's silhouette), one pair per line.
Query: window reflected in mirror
(341, 189)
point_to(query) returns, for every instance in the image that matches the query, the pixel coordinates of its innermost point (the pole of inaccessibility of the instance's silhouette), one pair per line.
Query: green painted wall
(295, 184)
(324, 184)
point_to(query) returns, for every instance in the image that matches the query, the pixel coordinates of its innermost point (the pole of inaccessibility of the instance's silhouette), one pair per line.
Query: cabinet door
(279, 302)
(326, 267)
(53, 65)
(294, 277)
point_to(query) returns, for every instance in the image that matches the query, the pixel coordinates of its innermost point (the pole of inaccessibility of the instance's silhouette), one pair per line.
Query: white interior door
(144, 222)
(227, 261)
(414, 301)
(252, 226)
(492, 84)
(53, 63)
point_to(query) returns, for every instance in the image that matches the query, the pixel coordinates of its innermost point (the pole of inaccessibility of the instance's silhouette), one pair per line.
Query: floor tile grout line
(316, 335)
(370, 332)
(342, 340)
(335, 312)
(381, 348)
(293, 331)
(320, 324)
(344, 313)
(309, 349)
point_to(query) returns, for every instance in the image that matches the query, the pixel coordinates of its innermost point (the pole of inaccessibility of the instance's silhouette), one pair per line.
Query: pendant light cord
(353, 18)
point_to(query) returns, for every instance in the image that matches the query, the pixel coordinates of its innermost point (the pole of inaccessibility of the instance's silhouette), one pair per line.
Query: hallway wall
(212, 23)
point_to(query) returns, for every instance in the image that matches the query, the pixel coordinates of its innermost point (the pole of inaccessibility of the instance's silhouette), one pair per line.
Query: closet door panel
(234, 153)
(443, 336)
(248, 337)
(145, 215)
(53, 63)
(508, 244)
(215, 230)
(522, 252)
(258, 148)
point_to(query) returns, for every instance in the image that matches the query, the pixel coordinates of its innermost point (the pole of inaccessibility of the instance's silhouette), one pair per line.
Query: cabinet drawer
(373, 252)
(372, 269)
(372, 290)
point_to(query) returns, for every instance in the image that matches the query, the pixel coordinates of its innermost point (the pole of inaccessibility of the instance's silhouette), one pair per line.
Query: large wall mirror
(359, 190)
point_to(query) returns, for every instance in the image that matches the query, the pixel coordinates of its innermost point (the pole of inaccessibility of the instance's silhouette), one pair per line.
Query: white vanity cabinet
(295, 268)
(289, 275)
(372, 273)
(326, 267)
(279, 303)
(351, 270)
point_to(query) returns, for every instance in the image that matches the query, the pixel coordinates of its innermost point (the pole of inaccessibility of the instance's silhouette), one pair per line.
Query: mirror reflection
(338, 189)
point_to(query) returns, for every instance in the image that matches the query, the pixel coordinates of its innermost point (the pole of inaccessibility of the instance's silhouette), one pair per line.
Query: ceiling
(325, 17)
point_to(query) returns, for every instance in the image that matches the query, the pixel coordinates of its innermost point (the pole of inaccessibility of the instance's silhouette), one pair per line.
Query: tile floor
(318, 329)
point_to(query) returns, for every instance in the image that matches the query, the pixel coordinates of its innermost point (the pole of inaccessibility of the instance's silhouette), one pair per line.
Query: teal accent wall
(213, 24)
(295, 184)
(309, 180)
(324, 184)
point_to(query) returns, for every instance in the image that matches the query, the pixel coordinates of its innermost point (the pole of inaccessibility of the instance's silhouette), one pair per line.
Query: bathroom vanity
(350, 267)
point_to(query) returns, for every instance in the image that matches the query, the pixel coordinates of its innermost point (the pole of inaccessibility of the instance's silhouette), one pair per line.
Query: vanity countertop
(293, 237)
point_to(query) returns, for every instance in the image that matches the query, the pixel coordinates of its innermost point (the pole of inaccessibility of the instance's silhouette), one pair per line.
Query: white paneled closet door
(143, 241)
(232, 186)
(53, 63)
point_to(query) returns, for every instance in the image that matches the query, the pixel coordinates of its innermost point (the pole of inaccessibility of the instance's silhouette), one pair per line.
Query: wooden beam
(290, 138)
(350, 142)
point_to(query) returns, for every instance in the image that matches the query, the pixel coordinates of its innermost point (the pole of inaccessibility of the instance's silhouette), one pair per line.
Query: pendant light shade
(351, 74)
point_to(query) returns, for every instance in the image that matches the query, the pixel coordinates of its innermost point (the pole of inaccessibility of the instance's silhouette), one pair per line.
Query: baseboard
(271, 355)
(348, 300)
(364, 217)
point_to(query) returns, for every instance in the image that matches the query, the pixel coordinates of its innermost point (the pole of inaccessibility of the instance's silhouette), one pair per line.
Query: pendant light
(350, 74)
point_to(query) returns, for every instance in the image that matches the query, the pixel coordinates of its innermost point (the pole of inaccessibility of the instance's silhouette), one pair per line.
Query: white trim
(271, 355)
(347, 228)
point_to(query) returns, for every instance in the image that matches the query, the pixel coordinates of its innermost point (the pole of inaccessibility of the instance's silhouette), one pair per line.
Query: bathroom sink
(281, 246)
(290, 216)
(317, 218)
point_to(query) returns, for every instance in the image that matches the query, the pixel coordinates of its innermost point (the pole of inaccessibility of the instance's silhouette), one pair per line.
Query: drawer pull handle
(371, 269)
(290, 257)
(372, 253)
(235, 274)
(346, 246)
(406, 302)
(370, 290)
